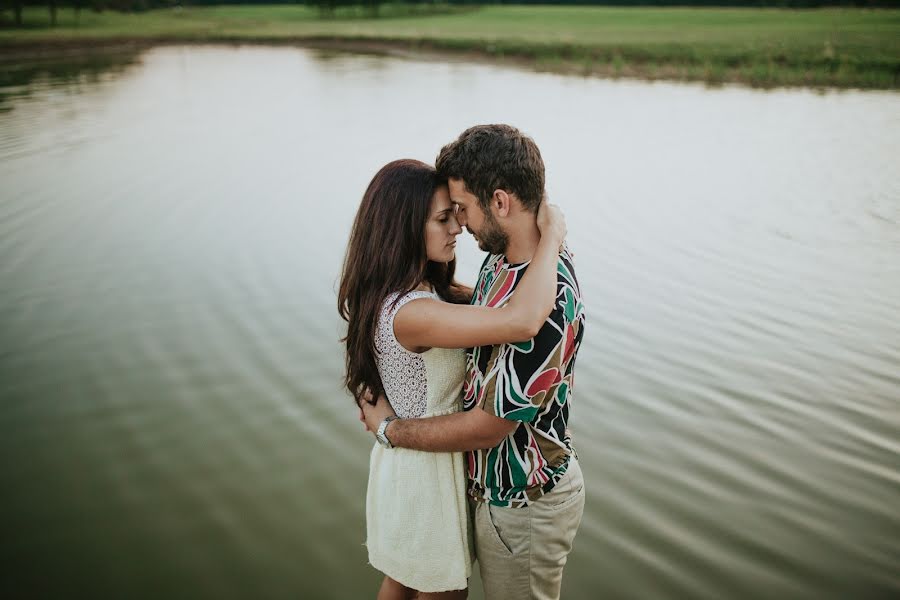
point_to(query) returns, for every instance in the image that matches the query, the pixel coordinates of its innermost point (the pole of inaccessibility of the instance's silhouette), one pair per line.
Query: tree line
(371, 8)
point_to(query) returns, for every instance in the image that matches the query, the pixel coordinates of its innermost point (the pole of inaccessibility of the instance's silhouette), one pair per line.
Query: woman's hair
(386, 254)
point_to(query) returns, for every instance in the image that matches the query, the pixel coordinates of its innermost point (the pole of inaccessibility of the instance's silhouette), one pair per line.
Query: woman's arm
(429, 323)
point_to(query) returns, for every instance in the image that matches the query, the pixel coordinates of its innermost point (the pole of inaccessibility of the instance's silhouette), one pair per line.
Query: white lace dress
(417, 527)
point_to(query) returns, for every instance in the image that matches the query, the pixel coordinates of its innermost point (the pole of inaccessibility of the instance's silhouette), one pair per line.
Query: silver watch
(380, 435)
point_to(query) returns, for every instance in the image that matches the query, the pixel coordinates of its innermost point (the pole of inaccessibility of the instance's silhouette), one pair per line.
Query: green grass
(761, 47)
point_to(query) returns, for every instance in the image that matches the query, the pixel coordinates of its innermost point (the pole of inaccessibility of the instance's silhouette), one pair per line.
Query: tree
(372, 7)
(326, 7)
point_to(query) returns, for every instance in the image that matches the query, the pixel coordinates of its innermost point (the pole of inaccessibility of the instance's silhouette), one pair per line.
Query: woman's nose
(455, 226)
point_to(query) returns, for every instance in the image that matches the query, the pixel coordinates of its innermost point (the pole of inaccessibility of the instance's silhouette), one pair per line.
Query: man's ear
(500, 203)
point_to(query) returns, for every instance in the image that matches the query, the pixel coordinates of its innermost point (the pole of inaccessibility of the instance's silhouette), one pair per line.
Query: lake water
(172, 225)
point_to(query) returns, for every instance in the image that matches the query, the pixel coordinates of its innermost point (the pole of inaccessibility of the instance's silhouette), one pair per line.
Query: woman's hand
(551, 222)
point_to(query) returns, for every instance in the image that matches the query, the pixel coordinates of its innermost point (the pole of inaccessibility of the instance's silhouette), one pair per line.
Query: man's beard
(491, 238)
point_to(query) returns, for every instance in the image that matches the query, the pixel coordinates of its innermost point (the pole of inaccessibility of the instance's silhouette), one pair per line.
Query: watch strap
(381, 435)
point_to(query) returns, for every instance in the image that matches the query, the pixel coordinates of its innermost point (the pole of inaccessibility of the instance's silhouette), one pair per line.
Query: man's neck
(523, 242)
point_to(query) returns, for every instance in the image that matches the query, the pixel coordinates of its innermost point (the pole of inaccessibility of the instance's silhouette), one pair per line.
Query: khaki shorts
(522, 551)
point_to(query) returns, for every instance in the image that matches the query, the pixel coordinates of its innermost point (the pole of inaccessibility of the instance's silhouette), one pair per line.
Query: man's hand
(362, 419)
(374, 415)
(364, 398)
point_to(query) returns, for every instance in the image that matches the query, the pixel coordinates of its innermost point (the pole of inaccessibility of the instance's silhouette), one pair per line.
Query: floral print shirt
(530, 382)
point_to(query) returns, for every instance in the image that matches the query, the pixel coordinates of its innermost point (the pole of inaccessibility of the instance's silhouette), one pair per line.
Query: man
(525, 484)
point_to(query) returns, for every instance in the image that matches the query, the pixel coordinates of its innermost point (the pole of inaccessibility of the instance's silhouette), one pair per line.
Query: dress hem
(410, 582)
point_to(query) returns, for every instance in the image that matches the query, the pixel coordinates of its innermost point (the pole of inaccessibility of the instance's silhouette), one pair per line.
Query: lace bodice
(402, 372)
(410, 380)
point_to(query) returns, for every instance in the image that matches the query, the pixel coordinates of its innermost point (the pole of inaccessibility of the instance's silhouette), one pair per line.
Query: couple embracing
(468, 391)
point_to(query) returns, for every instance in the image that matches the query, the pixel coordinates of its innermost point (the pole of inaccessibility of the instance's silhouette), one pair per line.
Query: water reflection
(21, 78)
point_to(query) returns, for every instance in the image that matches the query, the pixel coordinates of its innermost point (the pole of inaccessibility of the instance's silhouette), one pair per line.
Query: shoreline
(757, 48)
(566, 61)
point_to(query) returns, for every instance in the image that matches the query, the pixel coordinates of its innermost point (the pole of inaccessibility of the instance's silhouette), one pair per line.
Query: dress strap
(395, 304)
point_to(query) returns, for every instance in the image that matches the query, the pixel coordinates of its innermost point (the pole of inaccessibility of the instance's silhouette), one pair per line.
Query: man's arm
(470, 430)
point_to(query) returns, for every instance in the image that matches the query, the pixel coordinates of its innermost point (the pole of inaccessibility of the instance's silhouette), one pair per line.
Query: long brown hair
(386, 254)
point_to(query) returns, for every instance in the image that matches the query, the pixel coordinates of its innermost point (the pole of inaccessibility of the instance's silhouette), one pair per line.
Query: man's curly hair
(490, 157)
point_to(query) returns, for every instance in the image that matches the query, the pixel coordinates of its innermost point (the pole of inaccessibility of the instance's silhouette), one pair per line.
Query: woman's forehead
(441, 200)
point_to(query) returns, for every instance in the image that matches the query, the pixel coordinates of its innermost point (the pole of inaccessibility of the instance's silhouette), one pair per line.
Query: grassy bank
(759, 47)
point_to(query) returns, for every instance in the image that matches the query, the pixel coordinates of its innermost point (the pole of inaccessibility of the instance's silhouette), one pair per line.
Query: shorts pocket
(567, 491)
(573, 499)
(491, 526)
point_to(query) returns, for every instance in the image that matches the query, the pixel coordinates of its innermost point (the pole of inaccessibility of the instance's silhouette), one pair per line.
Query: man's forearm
(446, 433)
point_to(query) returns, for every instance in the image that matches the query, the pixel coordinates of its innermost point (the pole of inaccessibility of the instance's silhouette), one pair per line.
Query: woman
(408, 322)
